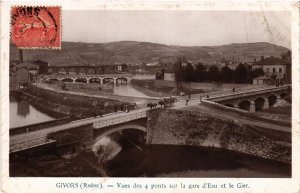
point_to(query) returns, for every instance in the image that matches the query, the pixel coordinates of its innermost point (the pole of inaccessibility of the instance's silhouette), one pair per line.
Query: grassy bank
(153, 88)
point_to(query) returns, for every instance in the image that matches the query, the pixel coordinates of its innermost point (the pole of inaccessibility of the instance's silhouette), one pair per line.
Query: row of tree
(200, 73)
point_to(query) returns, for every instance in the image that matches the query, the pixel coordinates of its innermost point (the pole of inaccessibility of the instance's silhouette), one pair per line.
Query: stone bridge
(92, 78)
(252, 100)
(84, 133)
(86, 69)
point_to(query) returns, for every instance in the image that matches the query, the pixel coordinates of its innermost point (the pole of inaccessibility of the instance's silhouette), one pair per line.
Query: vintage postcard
(140, 96)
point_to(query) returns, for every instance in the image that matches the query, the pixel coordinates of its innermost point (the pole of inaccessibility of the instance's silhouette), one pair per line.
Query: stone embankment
(70, 104)
(177, 127)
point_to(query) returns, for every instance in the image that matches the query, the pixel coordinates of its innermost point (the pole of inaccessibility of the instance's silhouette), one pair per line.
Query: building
(22, 77)
(42, 66)
(261, 80)
(274, 68)
(27, 67)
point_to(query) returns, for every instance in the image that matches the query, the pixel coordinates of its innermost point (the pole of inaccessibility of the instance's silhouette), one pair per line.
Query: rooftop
(271, 61)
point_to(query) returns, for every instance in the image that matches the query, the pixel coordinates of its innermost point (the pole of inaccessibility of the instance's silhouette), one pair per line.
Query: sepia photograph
(150, 93)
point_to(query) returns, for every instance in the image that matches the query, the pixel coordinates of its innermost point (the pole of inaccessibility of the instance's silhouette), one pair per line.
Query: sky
(183, 28)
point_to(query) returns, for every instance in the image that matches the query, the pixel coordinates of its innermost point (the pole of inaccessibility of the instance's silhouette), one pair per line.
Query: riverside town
(161, 102)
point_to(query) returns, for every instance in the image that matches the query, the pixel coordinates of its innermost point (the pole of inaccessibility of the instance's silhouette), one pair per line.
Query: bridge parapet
(250, 93)
(87, 77)
(120, 119)
(24, 145)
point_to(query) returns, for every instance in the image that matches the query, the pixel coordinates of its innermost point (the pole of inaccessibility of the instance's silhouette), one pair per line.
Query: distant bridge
(252, 100)
(92, 78)
(85, 69)
(88, 131)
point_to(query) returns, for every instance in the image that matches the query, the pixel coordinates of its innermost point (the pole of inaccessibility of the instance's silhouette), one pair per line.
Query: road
(40, 136)
(195, 106)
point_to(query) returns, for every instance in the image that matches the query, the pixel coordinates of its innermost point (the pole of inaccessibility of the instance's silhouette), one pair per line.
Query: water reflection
(23, 108)
(22, 113)
(186, 161)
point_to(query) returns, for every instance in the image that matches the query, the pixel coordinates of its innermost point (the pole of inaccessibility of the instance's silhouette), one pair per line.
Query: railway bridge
(92, 78)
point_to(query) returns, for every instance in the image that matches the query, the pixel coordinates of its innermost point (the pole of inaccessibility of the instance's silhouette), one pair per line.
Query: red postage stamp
(36, 27)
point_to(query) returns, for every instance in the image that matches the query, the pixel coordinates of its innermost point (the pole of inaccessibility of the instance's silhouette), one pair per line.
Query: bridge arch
(108, 81)
(259, 103)
(122, 80)
(82, 80)
(67, 80)
(272, 100)
(95, 80)
(245, 105)
(119, 128)
(53, 79)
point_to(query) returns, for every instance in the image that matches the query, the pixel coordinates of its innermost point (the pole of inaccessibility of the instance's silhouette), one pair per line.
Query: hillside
(74, 53)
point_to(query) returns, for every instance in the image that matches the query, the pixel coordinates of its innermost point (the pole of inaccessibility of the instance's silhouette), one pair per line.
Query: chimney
(20, 56)
(262, 58)
(254, 60)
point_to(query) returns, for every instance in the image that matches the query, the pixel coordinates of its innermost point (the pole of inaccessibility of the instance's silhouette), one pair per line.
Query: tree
(286, 56)
(188, 73)
(179, 73)
(213, 74)
(240, 74)
(179, 70)
(200, 74)
(257, 72)
(226, 74)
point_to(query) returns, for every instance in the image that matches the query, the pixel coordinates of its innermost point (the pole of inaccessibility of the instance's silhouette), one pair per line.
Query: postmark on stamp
(36, 27)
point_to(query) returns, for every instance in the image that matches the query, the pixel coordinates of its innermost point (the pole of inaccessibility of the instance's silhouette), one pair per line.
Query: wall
(206, 87)
(89, 86)
(70, 104)
(177, 127)
(74, 140)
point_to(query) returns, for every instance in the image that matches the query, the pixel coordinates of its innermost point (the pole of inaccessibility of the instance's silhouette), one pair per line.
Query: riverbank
(166, 88)
(52, 165)
(178, 161)
(179, 127)
(153, 89)
(68, 103)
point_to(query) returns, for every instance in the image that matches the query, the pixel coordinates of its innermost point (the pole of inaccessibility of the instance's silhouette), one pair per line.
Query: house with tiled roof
(274, 68)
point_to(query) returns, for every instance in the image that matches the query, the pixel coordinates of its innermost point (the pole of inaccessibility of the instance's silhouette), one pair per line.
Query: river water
(164, 160)
(22, 113)
(184, 161)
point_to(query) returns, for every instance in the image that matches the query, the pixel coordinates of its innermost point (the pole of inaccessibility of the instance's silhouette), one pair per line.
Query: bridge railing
(254, 91)
(38, 126)
(120, 119)
(29, 144)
